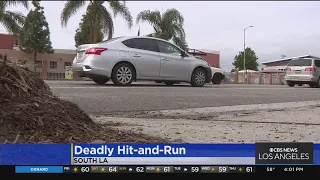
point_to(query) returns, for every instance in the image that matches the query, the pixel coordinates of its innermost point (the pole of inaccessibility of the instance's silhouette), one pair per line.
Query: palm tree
(82, 35)
(98, 14)
(12, 21)
(167, 26)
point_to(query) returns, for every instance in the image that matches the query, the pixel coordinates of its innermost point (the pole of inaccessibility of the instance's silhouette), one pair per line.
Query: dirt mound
(30, 113)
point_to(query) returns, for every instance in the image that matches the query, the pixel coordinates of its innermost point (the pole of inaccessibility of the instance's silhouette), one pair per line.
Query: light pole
(244, 53)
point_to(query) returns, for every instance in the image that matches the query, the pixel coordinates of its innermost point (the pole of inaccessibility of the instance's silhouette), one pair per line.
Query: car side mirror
(183, 54)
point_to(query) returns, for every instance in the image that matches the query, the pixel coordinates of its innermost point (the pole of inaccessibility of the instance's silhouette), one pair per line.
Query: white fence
(255, 78)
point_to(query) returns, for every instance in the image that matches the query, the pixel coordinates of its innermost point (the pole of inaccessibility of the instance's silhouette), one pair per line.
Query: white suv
(127, 59)
(303, 71)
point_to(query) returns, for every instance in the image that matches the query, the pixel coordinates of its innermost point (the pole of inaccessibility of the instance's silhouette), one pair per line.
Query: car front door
(173, 65)
(145, 55)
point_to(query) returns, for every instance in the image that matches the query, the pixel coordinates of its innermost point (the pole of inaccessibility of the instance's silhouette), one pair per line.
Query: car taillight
(95, 51)
(310, 69)
(288, 69)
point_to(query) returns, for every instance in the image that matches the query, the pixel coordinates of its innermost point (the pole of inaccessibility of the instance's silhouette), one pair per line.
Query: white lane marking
(101, 87)
(152, 87)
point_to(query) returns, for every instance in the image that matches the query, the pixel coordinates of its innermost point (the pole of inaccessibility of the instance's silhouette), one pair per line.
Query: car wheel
(300, 84)
(312, 85)
(217, 78)
(123, 74)
(290, 84)
(169, 83)
(198, 78)
(158, 81)
(100, 80)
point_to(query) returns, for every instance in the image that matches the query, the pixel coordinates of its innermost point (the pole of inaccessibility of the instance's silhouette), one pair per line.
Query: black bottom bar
(309, 169)
(201, 170)
(7, 170)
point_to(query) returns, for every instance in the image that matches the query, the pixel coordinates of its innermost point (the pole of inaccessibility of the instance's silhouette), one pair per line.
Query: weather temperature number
(270, 169)
(222, 169)
(85, 169)
(140, 169)
(112, 169)
(194, 169)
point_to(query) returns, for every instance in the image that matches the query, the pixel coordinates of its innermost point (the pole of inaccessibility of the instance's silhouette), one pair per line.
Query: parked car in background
(217, 75)
(303, 71)
(127, 59)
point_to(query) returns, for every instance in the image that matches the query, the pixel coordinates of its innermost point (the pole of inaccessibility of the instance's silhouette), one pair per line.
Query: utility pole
(244, 54)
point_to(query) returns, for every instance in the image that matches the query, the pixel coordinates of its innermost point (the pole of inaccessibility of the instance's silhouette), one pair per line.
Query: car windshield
(109, 40)
(300, 62)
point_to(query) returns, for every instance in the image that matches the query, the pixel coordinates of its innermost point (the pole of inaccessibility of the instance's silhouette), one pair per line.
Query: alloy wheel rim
(200, 77)
(124, 75)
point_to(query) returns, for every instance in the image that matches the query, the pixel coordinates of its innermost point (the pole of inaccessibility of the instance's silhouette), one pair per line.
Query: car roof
(297, 59)
(144, 37)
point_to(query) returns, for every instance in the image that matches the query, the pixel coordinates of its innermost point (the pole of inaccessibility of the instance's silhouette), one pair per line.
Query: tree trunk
(94, 34)
(91, 32)
(35, 61)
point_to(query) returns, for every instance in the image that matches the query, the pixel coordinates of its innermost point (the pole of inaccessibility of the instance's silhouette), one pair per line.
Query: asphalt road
(143, 96)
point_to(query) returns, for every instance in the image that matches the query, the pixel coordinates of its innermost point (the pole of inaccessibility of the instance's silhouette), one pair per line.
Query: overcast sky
(289, 28)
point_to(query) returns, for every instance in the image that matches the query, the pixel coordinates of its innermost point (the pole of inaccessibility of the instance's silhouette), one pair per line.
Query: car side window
(317, 63)
(128, 43)
(167, 48)
(143, 44)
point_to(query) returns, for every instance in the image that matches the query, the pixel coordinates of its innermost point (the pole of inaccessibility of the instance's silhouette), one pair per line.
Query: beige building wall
(59, 57)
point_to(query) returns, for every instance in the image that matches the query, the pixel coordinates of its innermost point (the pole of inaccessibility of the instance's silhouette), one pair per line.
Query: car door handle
(136, 55)
(164, 59)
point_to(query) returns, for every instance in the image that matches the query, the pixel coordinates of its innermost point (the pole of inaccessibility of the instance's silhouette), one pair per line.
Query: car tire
(312, 85)
(198, 77)
(158, 81)
(123, 74)
(290, 84)
(300, 84)
(100, 80)
(217, 78)
(169, 83)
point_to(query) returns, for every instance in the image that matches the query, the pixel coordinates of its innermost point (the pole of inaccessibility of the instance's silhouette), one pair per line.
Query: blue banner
(61, 154)
(164, 150)
(316, 154)
(35, 154)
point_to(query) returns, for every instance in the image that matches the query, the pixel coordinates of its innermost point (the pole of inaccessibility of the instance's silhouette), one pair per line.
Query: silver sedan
(127, 59)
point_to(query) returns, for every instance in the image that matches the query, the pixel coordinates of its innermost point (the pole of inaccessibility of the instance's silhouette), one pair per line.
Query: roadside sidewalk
(264, 125)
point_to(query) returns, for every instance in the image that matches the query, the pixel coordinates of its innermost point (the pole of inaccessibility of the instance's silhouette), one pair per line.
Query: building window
(38, 64)
(67, 64)
(53, 65)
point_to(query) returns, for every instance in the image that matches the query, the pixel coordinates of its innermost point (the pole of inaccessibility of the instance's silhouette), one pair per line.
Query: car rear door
(145, 55)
